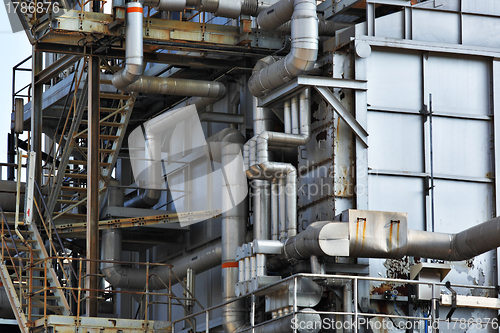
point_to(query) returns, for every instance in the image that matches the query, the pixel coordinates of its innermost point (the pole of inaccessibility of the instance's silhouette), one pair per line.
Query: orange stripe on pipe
(134, 10)
(229, 264)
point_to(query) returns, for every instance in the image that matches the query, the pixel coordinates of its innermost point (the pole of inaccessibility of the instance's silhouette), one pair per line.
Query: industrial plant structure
(253, 166)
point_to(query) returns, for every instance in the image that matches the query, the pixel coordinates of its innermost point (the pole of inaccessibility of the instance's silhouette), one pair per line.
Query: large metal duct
(335, 239)
(133, 47)
(304, 46)
(234, 219)
(120, 276)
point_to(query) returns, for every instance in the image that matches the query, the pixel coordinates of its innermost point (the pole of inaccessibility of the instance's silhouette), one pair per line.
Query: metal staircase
(33, 290)
(68, 192)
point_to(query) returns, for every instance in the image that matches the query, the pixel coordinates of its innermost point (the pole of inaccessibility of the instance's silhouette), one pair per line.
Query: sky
(15, 48)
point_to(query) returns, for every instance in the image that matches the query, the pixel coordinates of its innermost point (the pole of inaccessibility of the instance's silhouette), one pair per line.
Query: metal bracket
(453, 300)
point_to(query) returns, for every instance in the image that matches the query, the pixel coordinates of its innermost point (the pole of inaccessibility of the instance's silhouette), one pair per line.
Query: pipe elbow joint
(125, 77)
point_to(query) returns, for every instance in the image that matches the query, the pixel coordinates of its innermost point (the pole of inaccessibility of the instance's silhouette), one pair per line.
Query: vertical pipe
(287, 117)
(233, 236)
(93, 188)
(291, 203)
(274, 209)
(282, 208)
(295, 114)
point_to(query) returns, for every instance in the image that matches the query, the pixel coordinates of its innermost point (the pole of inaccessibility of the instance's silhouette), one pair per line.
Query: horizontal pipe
(322, 239)
(177, 87)
(135, 278)
(219, 117)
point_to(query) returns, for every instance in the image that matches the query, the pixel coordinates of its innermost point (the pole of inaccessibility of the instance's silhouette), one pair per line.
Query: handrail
(11, 236)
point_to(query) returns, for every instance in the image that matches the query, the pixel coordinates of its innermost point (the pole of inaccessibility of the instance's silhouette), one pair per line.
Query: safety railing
(74, 285)
(356, 319)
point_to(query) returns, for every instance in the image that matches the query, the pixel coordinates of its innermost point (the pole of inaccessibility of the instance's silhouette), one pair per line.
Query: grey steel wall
(453, 61)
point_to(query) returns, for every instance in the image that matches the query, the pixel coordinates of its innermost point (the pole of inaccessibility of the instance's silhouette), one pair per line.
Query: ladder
(68, 194)
(32, 288)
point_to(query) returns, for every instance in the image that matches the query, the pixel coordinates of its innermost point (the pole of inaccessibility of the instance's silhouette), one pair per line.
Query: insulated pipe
(282, 207)
(234, 219)
(276, 15)
(325, 27)
(304, 46)
(287, 116)
(133, 47)
(177, 87)
(274, 210)
(135, 278)
(467, 244)
(295, 114)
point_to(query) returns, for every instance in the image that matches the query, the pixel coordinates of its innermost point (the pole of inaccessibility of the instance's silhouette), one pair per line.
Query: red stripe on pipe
(229, 264)
(134, 10)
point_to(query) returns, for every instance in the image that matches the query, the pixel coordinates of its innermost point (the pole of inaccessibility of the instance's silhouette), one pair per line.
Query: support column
(36, 117)
(92, 279)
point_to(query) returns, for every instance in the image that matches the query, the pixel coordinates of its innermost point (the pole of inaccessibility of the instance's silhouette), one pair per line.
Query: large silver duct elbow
(133, 47)
(304, 47)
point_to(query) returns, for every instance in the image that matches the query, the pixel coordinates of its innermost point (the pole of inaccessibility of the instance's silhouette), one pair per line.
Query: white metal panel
(460, 205)
(434, 26)
(458, 85)
(462, 147)
(396, 142)
(481, 7)
(475, 26)
(398, 194)
(394, 80)
(391, 26)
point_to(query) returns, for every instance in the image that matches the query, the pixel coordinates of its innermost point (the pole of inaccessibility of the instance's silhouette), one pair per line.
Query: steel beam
(56, 67)
(36, 117)
(349, 119)
(154, 57)
(93, 188)
(300, 83)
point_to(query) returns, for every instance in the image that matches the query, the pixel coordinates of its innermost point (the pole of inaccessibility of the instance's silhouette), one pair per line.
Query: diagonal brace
(360, 132)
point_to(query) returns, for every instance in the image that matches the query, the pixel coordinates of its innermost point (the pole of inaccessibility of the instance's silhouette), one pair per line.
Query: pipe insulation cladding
(370, 234)
(133, 47)
(304, 46)
(120, 276)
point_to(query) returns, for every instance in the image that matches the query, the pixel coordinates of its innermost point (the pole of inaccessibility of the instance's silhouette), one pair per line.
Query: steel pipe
(135, 278)
(133, 47)
(304, 48)
(178, 87)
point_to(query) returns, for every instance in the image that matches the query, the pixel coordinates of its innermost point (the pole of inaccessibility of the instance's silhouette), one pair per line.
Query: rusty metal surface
(93, 174)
